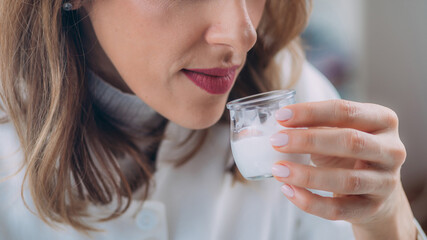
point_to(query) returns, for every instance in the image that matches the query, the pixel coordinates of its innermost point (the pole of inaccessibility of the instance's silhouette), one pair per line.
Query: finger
(348, 208)
(338, 142)
(338, 113)
(331, 161)
(337, 180)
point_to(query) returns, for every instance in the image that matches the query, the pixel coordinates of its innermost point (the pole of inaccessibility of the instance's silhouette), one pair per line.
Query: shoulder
(311, 86)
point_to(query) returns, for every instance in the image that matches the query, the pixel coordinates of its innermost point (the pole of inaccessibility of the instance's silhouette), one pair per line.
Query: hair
(63, 135)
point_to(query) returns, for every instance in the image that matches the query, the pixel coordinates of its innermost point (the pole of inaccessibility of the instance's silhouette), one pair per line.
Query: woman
(118, 108)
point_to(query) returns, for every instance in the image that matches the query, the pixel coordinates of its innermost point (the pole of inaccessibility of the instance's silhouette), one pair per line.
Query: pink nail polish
(280, 171)
(283, 114)
(279, 139)
(288, 191)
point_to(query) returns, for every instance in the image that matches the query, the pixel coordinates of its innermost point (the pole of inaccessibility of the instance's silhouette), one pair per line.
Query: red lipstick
(212, 80)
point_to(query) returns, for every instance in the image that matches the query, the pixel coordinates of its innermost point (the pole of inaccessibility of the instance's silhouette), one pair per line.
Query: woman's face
(181, 57)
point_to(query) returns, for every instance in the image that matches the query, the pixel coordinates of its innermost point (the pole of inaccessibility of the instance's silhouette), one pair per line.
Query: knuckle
(339, 212)
(343, 211)
(308, 178)
(355, 142)
(346, 111)
(390, 183)
(306, 205)
(391, 119)
(305, 141)
(399, 154)
(310, 111)
(352, 183)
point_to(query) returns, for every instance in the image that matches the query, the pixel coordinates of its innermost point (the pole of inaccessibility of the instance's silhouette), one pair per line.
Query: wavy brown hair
(62, 133)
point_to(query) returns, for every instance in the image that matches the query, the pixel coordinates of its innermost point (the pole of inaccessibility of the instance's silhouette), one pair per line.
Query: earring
(67, 6)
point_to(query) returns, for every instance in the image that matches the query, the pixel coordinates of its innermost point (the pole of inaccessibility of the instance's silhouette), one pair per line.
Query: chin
(199, 121)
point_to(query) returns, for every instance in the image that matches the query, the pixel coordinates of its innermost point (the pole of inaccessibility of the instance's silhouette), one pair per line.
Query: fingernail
(287, 190)
(280, 171)
(279, 139)
(283, 114)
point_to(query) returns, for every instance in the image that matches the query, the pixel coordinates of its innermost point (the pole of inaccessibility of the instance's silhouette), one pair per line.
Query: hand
(358, 156)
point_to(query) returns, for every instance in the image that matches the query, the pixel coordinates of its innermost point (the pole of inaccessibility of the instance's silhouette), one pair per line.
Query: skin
(140, 46)
(147, 47)
(358, 156)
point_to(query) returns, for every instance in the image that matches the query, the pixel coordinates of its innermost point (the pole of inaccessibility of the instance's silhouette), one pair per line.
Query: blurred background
(375, 51)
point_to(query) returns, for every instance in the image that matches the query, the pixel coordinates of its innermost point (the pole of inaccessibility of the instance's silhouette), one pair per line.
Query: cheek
(134, 36)
(144, 39)
(256, 9)
(147, 45)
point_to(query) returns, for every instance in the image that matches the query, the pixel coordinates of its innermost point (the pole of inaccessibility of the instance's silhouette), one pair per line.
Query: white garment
(194, 201)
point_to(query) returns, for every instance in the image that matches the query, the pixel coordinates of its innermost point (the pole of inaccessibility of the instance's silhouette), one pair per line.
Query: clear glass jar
(253, 122)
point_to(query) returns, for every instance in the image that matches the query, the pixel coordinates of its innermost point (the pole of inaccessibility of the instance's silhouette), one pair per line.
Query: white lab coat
(194, 201)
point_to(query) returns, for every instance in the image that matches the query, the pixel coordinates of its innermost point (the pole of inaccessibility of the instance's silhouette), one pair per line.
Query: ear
(75, 4)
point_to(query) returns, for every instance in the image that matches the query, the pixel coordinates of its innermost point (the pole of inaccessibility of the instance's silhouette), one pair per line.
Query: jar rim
(260, 98)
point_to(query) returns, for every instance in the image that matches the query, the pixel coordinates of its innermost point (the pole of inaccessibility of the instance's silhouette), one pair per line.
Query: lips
(212, 80)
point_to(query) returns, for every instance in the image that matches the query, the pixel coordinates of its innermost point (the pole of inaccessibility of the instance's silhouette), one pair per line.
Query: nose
(232, 26)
